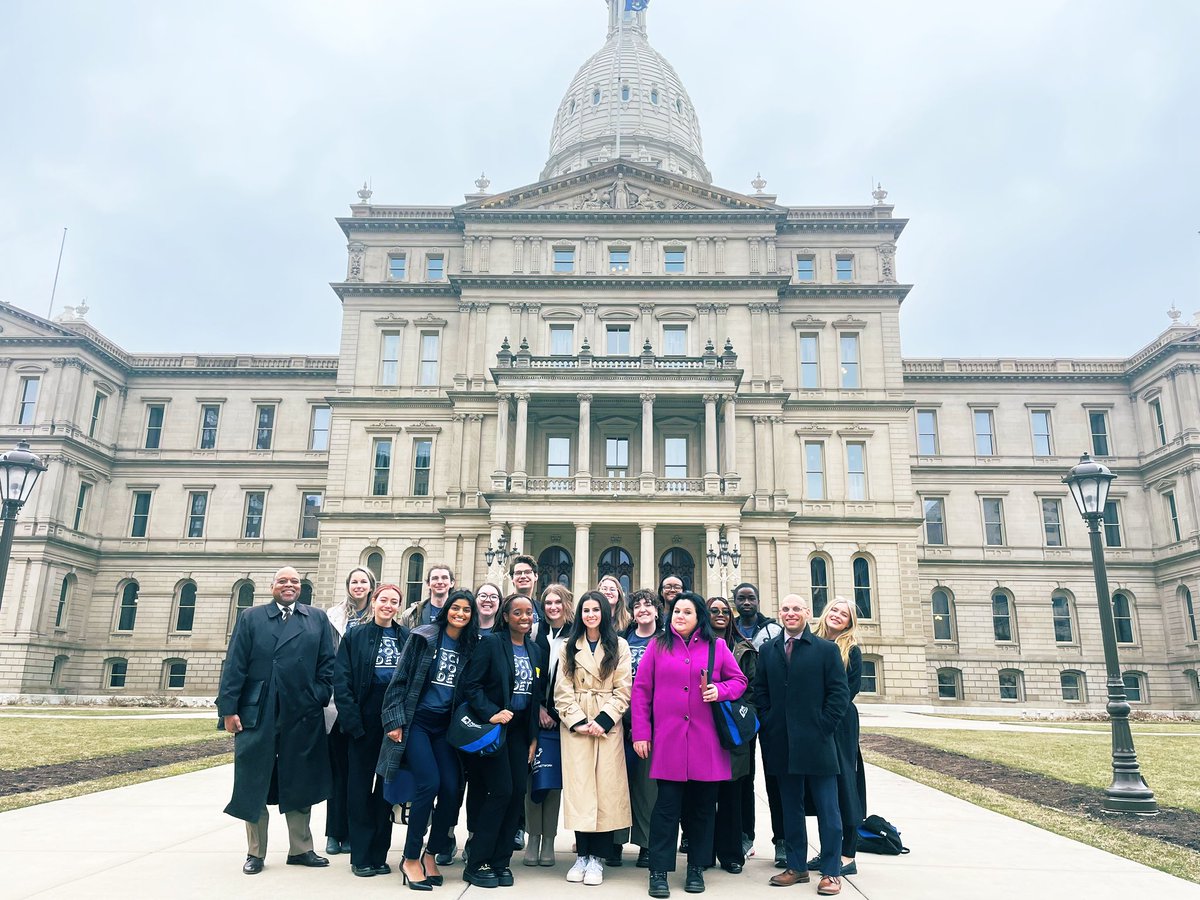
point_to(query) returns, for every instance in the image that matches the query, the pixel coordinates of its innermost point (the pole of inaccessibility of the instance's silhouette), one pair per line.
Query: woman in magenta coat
(673, 695)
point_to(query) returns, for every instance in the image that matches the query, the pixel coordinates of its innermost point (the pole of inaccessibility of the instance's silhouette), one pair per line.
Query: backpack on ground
(877, 835)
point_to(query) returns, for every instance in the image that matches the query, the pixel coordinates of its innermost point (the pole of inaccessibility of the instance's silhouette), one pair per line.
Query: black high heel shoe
(422, 885)
(435, 880)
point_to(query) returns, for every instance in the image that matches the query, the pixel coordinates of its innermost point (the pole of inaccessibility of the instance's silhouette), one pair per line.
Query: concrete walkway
(169, 838)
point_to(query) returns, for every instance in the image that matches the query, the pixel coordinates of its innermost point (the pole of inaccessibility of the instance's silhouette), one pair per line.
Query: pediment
(619, 187)
(17, 323)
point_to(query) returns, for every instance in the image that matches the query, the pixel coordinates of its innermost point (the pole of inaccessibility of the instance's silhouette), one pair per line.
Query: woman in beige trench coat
(591, 695)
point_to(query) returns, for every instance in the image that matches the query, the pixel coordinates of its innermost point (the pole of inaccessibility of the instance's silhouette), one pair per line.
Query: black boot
(658, 885)
(694, 882)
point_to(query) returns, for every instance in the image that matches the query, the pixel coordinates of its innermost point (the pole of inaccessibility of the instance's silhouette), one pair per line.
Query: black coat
(800, 705)
(281, 672)
(852, 783)
(488, 680)
(354, 673)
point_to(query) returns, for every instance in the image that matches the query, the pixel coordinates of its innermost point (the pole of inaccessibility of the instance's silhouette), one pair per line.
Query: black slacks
(337, 825)
(369, 815)
(500, 781)
(694, 803)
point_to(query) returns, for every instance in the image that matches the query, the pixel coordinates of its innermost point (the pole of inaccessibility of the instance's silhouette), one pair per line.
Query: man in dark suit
(801, 694)
(276, 681)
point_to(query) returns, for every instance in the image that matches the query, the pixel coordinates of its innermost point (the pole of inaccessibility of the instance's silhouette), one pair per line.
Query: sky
(1046, 152)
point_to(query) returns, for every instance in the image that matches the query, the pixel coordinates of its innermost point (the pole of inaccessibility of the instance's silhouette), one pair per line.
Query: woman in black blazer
(503, 685)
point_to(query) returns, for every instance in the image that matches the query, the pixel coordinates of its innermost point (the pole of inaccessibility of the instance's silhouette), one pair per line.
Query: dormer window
(654, 97)
(596, 97)
(679, 106)
(624, 93)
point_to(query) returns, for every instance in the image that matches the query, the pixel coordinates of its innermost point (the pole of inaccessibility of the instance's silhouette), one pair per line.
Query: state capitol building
(615, 369)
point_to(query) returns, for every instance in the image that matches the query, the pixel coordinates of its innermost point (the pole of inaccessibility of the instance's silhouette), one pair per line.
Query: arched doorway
(617, 561)
(678, 562)
(554, 567)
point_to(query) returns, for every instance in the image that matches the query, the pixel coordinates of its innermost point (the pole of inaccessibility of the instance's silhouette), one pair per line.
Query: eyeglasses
(522, 572)
(718, 610)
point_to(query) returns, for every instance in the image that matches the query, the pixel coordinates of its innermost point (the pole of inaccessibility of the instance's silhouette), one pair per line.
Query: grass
(39, 741)
(1138, 726)
(1079, 758)
(1169, 858)
(93, 711)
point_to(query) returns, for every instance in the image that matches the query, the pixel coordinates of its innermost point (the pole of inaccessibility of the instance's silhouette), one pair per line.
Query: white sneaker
(575, 873)
(594, 873)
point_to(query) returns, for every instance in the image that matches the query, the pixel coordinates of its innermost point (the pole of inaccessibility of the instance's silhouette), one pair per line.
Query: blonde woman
(839, 623)
(610, 587)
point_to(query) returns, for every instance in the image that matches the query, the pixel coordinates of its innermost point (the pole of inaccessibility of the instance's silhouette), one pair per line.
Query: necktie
(787, 648)
(287, 611)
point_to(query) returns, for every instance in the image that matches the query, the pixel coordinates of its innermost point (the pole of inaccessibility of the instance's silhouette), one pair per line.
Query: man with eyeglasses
(440, 580)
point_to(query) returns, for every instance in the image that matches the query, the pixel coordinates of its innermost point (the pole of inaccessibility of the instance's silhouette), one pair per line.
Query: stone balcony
(644, 488)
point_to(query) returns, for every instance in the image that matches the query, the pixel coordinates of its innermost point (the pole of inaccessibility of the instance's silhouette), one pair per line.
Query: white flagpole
(620, 41)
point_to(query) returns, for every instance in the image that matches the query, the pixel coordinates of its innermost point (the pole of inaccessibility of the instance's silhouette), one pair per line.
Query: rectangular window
(176, 675)
(310, 508)
(381, 467)
(435, 268)
(993, 521)
(264, 427)
(618, 259)
(806, 268)
(985, 435)
(870, 678)
(1112, 524)
(617, 340)
(675, 261)
(675, 456)
(927, 432)
(396, 267)
(1072, 688)
(947, 680)
(29, 396)
(849, 353)
(675, 340)
(1099, 425)
(1133, 687)
(1173, 514)
(116, 673)
(558, 457)
(141, 514)
(98, 403)
(810, 362)
(389, 358)
(1052, 522)
(197, 510)
(564, 260)
(154, 425)
(318, 431)
(856, 471)
(422, 457)
(616, 457)
(429, 357)
(845, 268)
(210, 416)
(562, 340)
(1060, 611)
(935, 521)
(1160, 426)
(256, 502)
(85, 489)
(1010, 686)
(1039, 420)
(814, 470)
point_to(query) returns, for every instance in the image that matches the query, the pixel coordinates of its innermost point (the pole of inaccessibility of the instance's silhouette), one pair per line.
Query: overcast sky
(1046, 152)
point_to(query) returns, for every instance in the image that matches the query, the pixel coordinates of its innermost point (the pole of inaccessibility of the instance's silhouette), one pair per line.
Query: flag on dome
(636, 5)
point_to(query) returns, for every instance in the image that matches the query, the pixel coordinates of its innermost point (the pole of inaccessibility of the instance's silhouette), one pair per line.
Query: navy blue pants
(434, 764)
(824, 793)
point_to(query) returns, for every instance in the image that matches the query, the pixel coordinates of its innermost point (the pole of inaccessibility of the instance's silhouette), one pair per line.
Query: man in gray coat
(277, 678)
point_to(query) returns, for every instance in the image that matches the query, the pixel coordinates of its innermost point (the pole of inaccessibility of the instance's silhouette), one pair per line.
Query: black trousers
(594, 843)
(823, 791)
(500, 781)
(694, 803)
(369, 815)
(775, 804)
(728, 828)
(337, 824)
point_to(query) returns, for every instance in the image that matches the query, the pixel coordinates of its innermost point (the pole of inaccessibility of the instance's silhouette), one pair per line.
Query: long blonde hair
(848, 639)
(620, 611)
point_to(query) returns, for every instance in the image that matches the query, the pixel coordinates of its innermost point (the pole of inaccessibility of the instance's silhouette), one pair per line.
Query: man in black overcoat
(276, 681)
(801, 694)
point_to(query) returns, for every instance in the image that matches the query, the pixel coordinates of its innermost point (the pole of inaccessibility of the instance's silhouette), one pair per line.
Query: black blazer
(800, 705)
(489, 676)
(354, 673)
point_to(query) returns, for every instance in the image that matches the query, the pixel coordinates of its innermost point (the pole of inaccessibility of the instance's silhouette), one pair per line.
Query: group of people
(359, 706)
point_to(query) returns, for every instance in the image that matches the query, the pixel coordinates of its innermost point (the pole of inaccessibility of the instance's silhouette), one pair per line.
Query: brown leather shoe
(830, 885)
(788, 877)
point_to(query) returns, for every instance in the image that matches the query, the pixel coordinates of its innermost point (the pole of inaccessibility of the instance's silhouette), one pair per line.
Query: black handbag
(737, 723)
(468, 734)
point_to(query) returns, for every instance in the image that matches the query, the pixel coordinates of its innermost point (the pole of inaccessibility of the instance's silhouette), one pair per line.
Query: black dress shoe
(333, 846)
(643, 860)
(307, 858)
(815, 863)
(693, 883)
(519, 840)
(733, 868)
(383, 869)
(780, 855)
(252, 866)
(658, 885)
(504, 877)
(363, 871)
(482, 877)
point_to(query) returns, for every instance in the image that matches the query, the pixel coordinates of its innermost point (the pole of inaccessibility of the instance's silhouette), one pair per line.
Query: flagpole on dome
(630, 8)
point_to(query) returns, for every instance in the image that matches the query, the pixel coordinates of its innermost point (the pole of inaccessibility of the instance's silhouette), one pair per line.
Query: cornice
(624, 282)
(790, 225)
(622, 215)
(792, 290)
(357, 224)
(346, 289)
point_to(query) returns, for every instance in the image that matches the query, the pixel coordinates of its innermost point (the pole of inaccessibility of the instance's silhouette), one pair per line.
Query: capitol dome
(627, 101)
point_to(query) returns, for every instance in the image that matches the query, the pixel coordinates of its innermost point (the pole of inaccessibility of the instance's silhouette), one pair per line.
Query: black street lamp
(20, 471)
(500, 552)
(1089, 482)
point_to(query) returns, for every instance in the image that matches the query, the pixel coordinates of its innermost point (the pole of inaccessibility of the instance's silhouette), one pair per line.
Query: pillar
(516, 538)
(712, 467)
(778, 458)
(500, 475)
(522, 440)
(712, 535)
(730, 473)
(647, 443)
(583, 465)
(583, 562)
(646, 560)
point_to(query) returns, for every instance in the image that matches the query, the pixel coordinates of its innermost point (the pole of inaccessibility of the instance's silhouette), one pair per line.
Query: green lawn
(111, 711)
(1074, 725)
(43, 741)
(1168, 763)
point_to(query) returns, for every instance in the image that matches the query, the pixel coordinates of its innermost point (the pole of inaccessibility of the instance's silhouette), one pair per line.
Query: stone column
(518, 253)
(500, 475)
(647, 443)
(783, 566)
(646, 309)
(458, 439)
(583, 466)
(762, 492)
(647, 564)
(522, 440)
(1193, 500)
(778, 458)
(466, 336)
(775, 372)
(582, 561)
(712, 535)
(516, 538)
(712, 474)
(1178, 408)
(720, 256)
(596, 339)
(474, 442)
(759, 338)
(730, 441)
(485, 253)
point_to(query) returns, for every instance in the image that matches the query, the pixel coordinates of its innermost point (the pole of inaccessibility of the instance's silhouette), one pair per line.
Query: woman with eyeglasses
(610, 587)
(487, 601)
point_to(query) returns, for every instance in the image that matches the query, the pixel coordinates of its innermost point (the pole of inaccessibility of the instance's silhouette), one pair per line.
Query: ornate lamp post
(19, 471)
(724, 556)
(1089, 482)
(500, 553)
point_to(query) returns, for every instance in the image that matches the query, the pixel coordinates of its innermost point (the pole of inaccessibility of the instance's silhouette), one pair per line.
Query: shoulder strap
(712, 658)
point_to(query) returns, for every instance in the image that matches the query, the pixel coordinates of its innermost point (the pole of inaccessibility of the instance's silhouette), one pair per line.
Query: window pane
(116, 673)
(154, 424)
(942, 626)
(197, 507)
(1122, 618)
(935, 521)
(562, 341)
(674, 261)
(255, 503)
(810, 365)
(1189, 611)
(319, 437)
(1061, 611)
(210, 416)
(28, 405)
(1009, 686)
(389, 358)
(818, 573)
(616, 457)
(564, 261)
(870, 678)
(177, 674)
(1112, 524)
(264, 432)
(984, 440)
(558, 457)
(805, 268)
(396, 268)
(129, 600)
(849, 353)
(993, 521)
(435, 268)
(1071, 685)
(675, 456)
(1172, 514)
(618, 340)
(947, 684)
(1099, 425)
(927, 443)
(422, 454)
(1001, 618)
(1133, 688)
(186, 614)
(310, 507)
(429, 357)
(81, 504)
(618, 260)
(862, 587)
(814, 470)
(97, 414)
(856, 471)
(675, 340)
(416, 575)
(381, 467)
(1041, 432)
(141, 514)
(845, 268)
(1052, 522)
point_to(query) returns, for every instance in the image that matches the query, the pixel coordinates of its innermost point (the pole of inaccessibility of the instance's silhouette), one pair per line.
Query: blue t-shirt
(523, 685)
(637, 649)
(443, 676)
(387, 655)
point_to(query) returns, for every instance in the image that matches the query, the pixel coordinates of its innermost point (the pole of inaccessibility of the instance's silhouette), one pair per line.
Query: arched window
(625, 93)
(1064, 619)
(1122, 609)
(872, 675)
(56, 672)
(677, 562)
(818, 576)
(1012, 684)
(654, 96)
(127, 614)
(554, 567)
(616, 561)
(1189, 614)
(115, 670)
(1004, 620)
(185, 606)
(374, 564)
(64, 599)
(1074, 686)
(943, 616)
(596, 97)
(244, 592)
(949, 684)
(174, 674)
(305, 593)
(1135, 687)
(1193, 680)
(414, 583)
(862, 586)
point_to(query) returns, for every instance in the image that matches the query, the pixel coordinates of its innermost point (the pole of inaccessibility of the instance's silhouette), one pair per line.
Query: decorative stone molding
(809, 323)
(354, 270)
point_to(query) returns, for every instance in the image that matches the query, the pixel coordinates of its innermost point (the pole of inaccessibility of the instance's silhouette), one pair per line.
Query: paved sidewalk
(169, 838)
